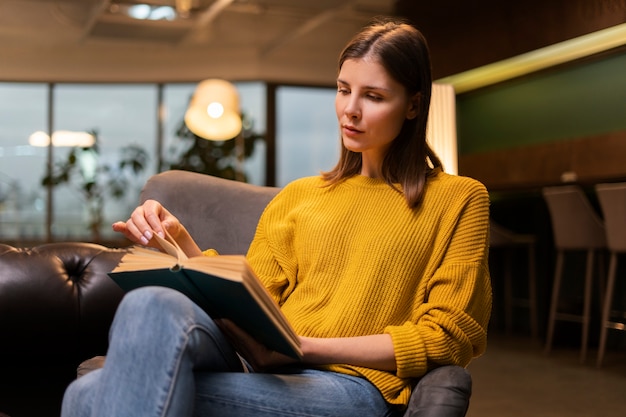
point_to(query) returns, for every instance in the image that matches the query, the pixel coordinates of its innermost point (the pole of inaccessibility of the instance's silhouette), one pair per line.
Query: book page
(140, 258)
(170, 246)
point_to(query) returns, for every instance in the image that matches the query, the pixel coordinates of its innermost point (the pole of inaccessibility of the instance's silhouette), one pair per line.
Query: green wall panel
(576, 101)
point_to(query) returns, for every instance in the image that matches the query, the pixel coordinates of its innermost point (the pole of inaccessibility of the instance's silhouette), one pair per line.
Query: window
(307, 136)
(23, 110)
(120, 115)
(252, 103)
(123, 115)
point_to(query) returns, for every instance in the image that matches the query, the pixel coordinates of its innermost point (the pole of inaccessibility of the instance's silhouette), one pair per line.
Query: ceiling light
(145, 11)
(62, 138)
(539, 59)
(149, 12)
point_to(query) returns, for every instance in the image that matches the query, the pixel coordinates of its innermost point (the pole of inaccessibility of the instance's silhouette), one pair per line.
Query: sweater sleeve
(450, 326)
(273, 260)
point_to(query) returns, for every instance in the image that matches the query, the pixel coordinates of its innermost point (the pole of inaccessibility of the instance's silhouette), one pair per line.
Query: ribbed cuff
(409, 351)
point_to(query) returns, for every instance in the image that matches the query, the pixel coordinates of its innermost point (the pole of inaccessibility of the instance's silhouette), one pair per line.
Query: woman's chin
(352, 145)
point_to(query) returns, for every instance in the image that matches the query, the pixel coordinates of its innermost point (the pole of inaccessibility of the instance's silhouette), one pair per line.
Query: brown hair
(402, 50)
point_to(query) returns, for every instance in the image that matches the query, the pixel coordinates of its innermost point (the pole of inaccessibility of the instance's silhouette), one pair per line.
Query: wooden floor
(514, 378)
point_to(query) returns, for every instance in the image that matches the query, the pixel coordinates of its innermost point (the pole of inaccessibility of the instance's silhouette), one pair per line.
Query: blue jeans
(168, 358)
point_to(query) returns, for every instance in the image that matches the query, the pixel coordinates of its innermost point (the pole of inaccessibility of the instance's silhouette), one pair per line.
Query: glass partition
(307, 136)
(133, 125)
(103, 186)
(252, 103)
(23, 110)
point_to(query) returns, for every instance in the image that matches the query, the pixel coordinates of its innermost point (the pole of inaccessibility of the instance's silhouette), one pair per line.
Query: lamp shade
(213, 111)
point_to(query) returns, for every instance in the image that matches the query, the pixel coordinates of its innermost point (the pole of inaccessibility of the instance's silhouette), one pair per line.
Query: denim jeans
(168, 358)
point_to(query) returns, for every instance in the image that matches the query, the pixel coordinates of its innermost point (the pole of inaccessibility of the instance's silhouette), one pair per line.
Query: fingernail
(143, 240)
(147, 234)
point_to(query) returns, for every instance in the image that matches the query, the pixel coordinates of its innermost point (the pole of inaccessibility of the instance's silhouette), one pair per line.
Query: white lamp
(213, 112)
(441, 127)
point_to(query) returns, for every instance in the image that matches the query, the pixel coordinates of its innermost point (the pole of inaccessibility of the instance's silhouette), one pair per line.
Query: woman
(380, 265)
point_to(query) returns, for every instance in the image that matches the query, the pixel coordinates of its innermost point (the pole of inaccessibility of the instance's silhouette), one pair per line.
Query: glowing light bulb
(215, 110)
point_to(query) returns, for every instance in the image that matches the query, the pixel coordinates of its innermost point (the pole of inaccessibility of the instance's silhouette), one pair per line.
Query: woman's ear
(414, 102)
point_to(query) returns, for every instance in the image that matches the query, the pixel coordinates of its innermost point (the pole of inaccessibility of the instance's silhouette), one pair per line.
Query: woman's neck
(371, 166)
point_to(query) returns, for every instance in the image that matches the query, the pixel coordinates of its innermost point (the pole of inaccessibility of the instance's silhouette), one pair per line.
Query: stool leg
(532, 292)
(606, 308)
(586, 318)
(508, 293)
(601, 280)
(556, 287)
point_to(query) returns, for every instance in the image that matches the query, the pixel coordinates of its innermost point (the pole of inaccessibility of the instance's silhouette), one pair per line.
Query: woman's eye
(374, 97)
(342, 90)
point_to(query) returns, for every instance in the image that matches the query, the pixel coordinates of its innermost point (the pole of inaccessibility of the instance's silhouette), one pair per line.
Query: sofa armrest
(442, 392)
(59, 296)
(218, 213)
(56, 306)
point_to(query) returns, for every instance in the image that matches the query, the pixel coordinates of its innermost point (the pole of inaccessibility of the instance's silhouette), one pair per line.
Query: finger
(122, 228)
(119, 227)
(138, 225)
(156, 217)
(141, 236)
(130, 231)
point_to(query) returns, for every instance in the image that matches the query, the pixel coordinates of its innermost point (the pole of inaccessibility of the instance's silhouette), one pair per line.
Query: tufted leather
(56, 304)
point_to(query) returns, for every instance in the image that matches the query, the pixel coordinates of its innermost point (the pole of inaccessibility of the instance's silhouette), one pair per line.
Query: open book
(224, 286)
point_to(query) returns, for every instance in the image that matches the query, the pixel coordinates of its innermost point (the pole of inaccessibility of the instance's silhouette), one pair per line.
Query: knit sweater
(353, 259)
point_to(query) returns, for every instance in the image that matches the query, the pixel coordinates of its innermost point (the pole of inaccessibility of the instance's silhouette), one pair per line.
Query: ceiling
(85, 40)
(287, 41)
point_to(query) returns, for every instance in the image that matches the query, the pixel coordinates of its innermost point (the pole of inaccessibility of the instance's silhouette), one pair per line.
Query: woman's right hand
(150, 217)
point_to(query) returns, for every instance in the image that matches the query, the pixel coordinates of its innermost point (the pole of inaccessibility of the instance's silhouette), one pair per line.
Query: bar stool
(508, 241)
(576, 227)
(612, 199)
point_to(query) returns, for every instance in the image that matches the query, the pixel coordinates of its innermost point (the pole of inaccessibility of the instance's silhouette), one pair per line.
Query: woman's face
(371, 108)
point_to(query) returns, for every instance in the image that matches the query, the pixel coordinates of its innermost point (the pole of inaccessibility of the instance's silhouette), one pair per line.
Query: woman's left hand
(258, 356)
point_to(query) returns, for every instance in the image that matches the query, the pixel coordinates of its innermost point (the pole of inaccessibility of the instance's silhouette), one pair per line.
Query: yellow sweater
(354, 259)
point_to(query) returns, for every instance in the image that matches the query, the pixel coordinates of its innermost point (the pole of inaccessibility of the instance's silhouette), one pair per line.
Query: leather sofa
(57, 301)
(56, 304)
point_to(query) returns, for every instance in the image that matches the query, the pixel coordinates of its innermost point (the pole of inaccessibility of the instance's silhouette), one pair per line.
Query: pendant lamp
(213, 111)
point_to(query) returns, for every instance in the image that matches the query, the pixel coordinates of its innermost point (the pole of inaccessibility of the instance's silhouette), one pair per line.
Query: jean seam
(176, 369)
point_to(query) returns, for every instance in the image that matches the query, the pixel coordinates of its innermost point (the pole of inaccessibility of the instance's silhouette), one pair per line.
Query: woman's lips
(350, 130)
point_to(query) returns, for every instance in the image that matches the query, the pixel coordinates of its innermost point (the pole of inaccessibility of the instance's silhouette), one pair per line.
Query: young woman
(380, 265)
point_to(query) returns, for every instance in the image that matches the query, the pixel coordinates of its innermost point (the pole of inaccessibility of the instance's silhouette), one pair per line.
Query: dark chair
(507, 241)
(612, 199)
(576, 227)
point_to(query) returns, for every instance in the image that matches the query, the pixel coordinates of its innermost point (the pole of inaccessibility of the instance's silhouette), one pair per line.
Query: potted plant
(94, 180)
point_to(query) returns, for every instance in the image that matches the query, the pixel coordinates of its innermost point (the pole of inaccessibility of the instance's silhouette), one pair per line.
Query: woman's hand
(151, 217)
(258, 356)
(374, 351)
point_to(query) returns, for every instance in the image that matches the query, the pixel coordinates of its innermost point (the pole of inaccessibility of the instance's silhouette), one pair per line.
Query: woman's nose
(352, 109)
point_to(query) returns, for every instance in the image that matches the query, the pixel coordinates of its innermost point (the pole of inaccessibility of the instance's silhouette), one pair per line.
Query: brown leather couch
(57, 301)
(56, 305)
